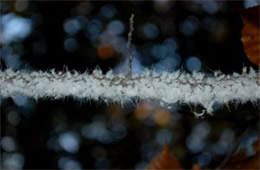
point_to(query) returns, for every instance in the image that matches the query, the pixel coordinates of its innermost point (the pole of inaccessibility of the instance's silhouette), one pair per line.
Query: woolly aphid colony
(195, 88)
(168, 88)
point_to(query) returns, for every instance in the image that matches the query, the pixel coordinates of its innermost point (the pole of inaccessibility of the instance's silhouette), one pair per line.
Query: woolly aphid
(168, 88)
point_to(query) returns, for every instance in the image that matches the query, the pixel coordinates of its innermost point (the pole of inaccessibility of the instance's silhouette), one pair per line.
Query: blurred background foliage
(76, 133)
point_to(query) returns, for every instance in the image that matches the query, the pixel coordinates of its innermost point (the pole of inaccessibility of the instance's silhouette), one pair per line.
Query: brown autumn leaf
(256, 145)
(196, 167)
(242, 161)
(250, 33)
(251, 162)
(164, 160)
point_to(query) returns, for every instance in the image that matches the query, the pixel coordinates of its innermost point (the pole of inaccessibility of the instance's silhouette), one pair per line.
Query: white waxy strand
(166, 87)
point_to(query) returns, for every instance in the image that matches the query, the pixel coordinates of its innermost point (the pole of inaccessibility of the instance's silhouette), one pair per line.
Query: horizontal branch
(181, 87)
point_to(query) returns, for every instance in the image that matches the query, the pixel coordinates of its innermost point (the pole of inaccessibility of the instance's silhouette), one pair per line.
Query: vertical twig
(130, 54)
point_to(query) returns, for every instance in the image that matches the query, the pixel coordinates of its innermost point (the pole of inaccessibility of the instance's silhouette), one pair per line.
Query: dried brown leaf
(250, 33)
(251, 162)
(196, 166)
(242, 161)
(164, 160)
(256, 145)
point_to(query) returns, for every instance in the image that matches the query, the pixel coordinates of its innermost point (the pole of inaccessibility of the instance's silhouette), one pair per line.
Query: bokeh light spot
(13, 118)
(162, 117)
(97, 131)
(189, 26)
(193, 64)
(142, 111)
(21, 5)
(69, 141)
(8, 144)
(220, 147)
(67, 164)
(210, 6)
(82, 20)
(115, 27)
(13, 161)
(20, 100)
(159, 51)
(108, 11)
(171, 44)
(71, 26)
(201, 129)
(150, 31)
(169, 64)
(251, 3)
(163, 136)
(93, 28)
(14, 28)
(105, 51)
(71, 45)
(195, 143)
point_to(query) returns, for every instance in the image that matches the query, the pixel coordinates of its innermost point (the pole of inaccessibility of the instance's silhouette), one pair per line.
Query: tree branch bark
(169, 88)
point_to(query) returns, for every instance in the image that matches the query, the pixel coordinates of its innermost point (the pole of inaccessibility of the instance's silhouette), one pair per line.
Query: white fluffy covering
(195, 88)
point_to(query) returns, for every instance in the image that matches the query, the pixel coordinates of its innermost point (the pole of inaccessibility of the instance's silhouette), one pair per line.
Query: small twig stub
(130, 54)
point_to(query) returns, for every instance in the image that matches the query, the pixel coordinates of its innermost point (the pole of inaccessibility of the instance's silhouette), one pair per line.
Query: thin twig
(234, 148)
(130, 54)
